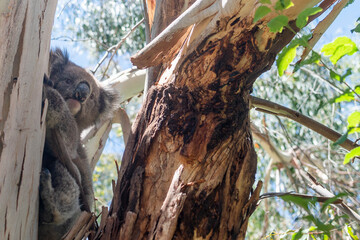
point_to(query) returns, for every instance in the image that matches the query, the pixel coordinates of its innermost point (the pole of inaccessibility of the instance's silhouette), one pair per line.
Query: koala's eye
(68, 81)
(92, 96)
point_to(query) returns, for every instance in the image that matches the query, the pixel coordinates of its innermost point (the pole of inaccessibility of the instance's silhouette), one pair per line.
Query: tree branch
(320, 29)
(317, 187)
(114, 48)
(276, 109)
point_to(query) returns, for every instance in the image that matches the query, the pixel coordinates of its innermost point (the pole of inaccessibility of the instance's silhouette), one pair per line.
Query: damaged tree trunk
(25, 30)
(189, 166)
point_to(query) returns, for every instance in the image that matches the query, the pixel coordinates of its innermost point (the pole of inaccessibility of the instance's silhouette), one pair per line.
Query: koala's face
(86, 98)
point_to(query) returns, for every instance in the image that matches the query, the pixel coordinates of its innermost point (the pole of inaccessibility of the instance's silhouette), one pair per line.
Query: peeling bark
(25, 30)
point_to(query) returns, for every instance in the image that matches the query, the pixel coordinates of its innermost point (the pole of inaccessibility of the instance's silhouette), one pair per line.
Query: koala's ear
(109, 101)
(58, 60)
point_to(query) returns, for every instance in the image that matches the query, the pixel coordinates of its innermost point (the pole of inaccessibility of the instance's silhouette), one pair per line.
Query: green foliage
(265, 1)
(297, 235)
(303, 91)
(353, 153)
(284, 59)
(303, 17)
(104, 173)
(283, 4)
(353, 127)
(313, 59)
(288, 54)
(347, 96)
(101, 24)
(278, 23)
(350, 231)
(357, 28)
(261, 12)
(338, 77)
(354, 122)
(305, 203)
(340, 47)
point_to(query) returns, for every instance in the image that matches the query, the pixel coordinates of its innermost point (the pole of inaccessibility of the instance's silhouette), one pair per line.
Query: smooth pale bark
(25, 30)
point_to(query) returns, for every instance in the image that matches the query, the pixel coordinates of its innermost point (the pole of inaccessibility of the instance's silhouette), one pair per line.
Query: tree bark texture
(160, 15)
(25, 30)
(189, 167)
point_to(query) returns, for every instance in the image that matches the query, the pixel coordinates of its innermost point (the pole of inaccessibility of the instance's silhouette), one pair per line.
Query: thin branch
(146, 21)
(320, 29)
(278, 110)
(114, 49)
(70, 39)
(317, 187)
(332, 85)
(62, 10)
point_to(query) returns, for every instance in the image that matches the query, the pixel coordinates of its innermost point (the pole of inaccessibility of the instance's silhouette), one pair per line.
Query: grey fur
(61, 197)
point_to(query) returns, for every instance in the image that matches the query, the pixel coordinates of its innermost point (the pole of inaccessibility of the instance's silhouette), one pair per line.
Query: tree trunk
(189, 167)
(25, 30)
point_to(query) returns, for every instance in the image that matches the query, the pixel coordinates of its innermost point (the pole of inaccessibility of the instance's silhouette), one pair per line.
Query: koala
(76, 100)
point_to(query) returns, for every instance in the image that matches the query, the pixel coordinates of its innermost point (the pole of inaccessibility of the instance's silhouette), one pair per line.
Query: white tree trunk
(25, 30)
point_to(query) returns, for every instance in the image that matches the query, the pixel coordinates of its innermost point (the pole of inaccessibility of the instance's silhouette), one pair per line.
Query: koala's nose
(82, 92)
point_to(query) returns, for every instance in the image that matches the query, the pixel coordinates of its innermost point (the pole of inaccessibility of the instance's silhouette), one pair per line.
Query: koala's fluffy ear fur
(108, 101)
(58, 60)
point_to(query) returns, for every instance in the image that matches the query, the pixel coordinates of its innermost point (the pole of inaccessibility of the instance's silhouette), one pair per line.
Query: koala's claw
(45, 182)
(45, 175)
(47, 81)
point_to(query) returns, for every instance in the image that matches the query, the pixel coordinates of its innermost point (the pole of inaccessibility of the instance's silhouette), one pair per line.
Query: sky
(340, 27)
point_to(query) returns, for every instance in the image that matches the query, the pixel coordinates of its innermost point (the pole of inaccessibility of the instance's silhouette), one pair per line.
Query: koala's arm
(59, 118)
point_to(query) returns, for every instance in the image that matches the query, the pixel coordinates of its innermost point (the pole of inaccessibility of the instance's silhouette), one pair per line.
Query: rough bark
(189, 166)
(25, 30)
(160, 15)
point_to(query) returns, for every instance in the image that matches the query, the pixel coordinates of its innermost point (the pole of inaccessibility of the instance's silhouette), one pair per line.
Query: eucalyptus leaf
(353, 153)
(340, 47)
(303, 17)
(278, 23)
(261, 12)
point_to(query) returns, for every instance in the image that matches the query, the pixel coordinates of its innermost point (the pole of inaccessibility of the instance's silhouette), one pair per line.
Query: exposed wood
(161, 15)
(25, 30)
(82, 226)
